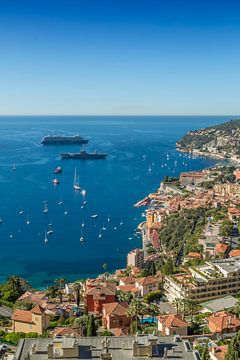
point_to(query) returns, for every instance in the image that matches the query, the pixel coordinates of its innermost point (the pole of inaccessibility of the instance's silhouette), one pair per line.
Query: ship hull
(63, 140)
(83, 156)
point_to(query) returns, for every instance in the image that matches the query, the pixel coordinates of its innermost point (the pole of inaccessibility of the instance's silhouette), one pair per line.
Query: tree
(124, 296)
(14, 288)
(91, 327)
(77, 288)
(136, 308)
(168, 268)
(153, 310)
(153, 296)
(233, 352)
(205, 353)
(192, 307)
(177, 304)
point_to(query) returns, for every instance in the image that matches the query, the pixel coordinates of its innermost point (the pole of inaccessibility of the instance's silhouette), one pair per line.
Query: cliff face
(222, 140)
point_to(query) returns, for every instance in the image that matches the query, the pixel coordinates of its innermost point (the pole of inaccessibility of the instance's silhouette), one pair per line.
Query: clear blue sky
(119, 57)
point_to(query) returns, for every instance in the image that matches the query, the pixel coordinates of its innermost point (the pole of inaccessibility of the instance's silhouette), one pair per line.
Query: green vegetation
(234, 348)
(12, 290)
(182, 228)
(197, 139)
(153, 296)
(91, 327)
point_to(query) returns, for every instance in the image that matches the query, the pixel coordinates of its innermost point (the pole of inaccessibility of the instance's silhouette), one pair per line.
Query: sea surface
(141, 151)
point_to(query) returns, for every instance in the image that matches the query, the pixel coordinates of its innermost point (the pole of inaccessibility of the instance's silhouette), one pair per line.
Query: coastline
(208, 154)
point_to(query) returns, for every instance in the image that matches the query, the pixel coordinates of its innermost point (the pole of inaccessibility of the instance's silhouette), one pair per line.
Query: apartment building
(135, 258)
(212, 280)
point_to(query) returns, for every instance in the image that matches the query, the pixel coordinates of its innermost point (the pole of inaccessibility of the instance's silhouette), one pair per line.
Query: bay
(141, 151)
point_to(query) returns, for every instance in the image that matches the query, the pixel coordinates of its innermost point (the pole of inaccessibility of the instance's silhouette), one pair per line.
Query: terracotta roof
(38, 310)
(147, 280)
(33, 297)
(22, 316)
(234, 253)
(115, 308)
(222, 320)
(195, 255)
(219, 351)
(234, 211)
(128, 288)
(65, 331)
(173, 320)
(128, 280)
(221, 248)
(98, 290)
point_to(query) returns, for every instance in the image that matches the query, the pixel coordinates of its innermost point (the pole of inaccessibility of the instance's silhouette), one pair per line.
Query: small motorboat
(58, 170)
(20, 212)
(56, 181)
(94, 216)
(65, 212)
(81, 239)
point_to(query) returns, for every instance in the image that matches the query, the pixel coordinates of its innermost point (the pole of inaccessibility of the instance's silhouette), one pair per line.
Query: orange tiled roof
(234, 253)
(222, 320)
(65, 331)
(115, 308)
(105, 290)
(147, 280)
(220, 351)
(127, 280)
(22, 316)
(173, 320)
(221, 248)
(195, 255)
(38, 310)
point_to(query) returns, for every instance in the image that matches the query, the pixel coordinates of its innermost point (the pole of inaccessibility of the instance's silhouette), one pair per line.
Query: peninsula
(220, 141)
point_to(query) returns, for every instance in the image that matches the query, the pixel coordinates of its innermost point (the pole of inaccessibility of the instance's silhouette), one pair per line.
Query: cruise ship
(62, 139)
(83, 155)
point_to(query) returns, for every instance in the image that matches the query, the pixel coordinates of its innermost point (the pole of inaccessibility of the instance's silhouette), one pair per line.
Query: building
(99, 295)
(35, 320)
(223, 322)
(172, 324)
(223, 303)
(106, 348)
(135, 258)
(147, 284)
(191, 178)
(206, 282)
(218, 352)
(114, 315)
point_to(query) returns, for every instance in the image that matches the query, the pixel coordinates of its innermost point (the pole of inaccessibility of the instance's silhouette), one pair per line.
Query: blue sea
(141, 151)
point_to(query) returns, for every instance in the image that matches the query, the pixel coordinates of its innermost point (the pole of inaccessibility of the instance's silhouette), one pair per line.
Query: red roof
(22, 316)
(173, 320)
(194, 255)
(223, 321)
(221, 248)
(234, 253)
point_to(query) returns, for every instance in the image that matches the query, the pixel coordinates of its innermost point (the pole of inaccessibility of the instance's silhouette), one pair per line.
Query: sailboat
(109, 219)
(1, 220)
(14, 167)
(121, 223)
(76, 185)
(81, 237)
(100, 234)
(84, 193)
(83, 224)
(46, 239)
(45, 210)
(28, 221)
(104, 228)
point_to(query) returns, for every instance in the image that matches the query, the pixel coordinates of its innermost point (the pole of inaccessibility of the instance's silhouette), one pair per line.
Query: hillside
(221, 140)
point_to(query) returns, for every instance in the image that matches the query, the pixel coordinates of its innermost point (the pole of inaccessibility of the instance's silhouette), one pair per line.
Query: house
(147, 284)
(127, 280)
(172, 324)
(129, 288)
(106, 348)
(99, 295)
(233, 213)
(114, 315)
(35, 320)
(235, 252)
(193, 256)
(35, 297)
(66, 332)
(221, 249)
(223, 322)
(218, 352)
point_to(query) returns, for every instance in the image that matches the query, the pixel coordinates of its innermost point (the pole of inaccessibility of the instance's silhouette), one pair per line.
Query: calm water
(137, 147)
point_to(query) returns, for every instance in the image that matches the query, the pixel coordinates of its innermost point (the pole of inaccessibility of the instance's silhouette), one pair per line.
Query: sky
(119, 57)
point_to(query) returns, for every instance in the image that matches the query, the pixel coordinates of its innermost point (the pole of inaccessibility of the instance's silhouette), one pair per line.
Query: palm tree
(153, 310)
(177, 303)
(136, 308)
(60, 282)
(77, 289)
(192, 307)
(124, 296)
